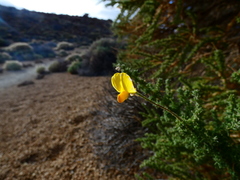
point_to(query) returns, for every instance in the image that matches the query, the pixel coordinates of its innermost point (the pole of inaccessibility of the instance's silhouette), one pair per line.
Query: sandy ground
(43, 130)
(10, 78)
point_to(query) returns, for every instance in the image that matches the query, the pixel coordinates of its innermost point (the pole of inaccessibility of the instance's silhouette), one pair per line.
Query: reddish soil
(43, 130)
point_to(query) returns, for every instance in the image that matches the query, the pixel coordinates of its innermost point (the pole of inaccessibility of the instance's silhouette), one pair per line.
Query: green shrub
(74, 67)
(41, 70)
(65, 46)
(4, 56)
(73, 57)
(58, 66)
(12, 65)
(182, 56)
(100, 56)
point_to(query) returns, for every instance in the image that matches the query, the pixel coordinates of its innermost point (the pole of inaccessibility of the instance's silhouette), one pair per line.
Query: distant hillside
(24, 25)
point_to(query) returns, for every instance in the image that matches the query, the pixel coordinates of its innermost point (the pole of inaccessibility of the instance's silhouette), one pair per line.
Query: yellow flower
(124, 85)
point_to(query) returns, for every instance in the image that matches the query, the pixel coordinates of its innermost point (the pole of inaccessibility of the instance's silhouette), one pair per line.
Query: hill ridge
(25, 25)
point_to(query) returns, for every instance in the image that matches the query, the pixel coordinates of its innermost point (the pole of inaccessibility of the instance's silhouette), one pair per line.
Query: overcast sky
(94, 8)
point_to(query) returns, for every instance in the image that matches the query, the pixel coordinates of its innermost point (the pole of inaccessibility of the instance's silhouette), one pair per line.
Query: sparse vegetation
(45, 50)
(12, 65)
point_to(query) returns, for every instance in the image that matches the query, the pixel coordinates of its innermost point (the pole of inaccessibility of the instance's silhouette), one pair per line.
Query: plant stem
(160, 106)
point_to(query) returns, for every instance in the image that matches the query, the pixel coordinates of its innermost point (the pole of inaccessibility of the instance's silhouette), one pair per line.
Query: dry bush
(19, 46)
(65, 46)
(99, 58)
(21, 51)
(41, 70)
(58, 66)
(73, 57)
(62, 53)
(12, 65)
(114, 131)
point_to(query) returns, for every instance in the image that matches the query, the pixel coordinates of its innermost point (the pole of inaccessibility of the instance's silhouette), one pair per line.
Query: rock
(25, 83)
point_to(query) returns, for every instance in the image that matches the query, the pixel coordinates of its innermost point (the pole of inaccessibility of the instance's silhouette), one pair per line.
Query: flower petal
(116, 81)
(122, 96)
(128, 84)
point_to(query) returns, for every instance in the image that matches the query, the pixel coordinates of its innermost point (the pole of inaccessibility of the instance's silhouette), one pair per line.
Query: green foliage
(185, 148)
(74, 67)
(184, 55)
(235, 77)
(12, 65)
(75, 61)
(238, 20)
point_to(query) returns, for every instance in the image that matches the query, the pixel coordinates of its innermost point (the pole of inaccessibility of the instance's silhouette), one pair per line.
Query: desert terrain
(63, 126)
(44, 130)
